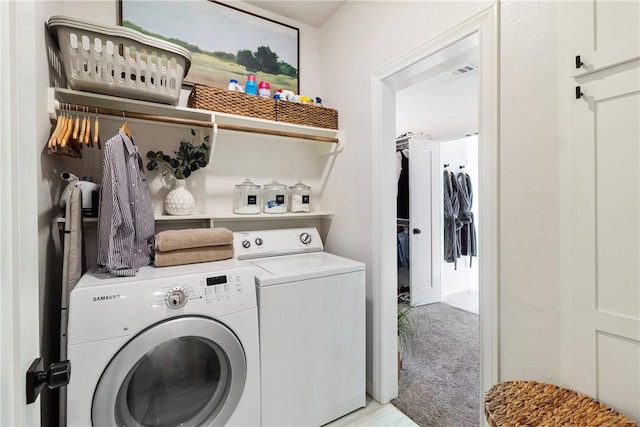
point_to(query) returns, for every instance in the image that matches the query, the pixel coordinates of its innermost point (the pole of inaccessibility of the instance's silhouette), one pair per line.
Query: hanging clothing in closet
(467, 234)
(403, 246)
(452, 224)
(402, 158)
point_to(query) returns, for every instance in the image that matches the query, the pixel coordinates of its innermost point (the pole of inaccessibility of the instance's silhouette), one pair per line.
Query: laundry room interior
(456, 162)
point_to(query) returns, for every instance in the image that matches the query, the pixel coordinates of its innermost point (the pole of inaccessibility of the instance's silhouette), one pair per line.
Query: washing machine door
(187, 371)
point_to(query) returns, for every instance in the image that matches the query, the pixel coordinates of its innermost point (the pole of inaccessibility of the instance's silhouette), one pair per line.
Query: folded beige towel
(172, 240)
(193, 255)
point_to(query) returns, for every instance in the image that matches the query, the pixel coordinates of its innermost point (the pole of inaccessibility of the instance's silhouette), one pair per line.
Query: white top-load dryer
(171, 346)
(311, 309)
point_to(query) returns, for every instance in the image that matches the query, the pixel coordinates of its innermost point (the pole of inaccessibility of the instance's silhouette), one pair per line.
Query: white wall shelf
(182, 116)
(229, 217)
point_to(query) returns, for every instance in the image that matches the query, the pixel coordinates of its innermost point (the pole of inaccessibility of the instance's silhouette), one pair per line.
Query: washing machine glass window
(159, 379)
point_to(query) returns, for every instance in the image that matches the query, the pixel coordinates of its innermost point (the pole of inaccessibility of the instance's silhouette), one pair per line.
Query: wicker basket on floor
(227, 101)
(529, 403)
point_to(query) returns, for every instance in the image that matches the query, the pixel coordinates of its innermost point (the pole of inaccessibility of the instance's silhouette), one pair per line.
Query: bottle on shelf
(234, 86)
(264, 89)
(251, 87)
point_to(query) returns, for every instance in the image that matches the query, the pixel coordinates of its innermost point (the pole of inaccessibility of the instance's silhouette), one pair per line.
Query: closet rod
(133, 115)
(278, 133)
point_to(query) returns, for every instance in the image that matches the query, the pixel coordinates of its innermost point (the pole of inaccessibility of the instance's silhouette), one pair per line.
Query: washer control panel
(257, 244)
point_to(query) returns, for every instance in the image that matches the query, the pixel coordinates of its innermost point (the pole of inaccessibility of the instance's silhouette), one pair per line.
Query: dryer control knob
(305, 238)
(175, 298)
(246, 244)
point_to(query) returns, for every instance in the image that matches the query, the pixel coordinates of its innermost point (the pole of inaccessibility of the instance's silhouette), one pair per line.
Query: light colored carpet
(439, 383)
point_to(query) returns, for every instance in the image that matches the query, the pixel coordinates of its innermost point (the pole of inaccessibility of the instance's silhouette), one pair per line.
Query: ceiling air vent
(463, 69)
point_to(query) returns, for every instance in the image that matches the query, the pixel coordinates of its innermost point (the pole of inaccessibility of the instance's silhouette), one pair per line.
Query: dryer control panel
(227, 288)
(264, 243)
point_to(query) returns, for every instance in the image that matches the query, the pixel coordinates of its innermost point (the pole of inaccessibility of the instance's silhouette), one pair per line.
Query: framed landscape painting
(225, 42)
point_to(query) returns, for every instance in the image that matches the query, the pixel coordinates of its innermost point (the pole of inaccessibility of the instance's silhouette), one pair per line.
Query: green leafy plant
(406, 328)
(188, 159)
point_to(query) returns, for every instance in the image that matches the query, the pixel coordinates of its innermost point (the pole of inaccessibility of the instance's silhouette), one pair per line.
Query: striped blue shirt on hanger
(125, 219)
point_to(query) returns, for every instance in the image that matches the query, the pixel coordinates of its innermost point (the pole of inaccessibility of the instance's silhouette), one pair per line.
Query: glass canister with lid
(300, 197)
(247, 198)
(274, 196)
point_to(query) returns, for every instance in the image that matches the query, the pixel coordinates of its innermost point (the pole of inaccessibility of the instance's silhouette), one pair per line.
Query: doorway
(437, 126)
(386, 82)
(436, 151)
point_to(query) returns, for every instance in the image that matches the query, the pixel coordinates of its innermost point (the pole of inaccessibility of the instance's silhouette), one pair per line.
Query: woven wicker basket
(529, 403)
(306, 114)
(228, 101)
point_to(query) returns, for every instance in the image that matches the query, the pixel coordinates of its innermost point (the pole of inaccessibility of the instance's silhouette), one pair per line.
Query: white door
(425, 213)
(604, 33)
(19, 314)
(605, 230)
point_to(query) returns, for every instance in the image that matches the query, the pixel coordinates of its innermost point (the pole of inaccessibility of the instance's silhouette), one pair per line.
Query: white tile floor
(467, 300)
(374, 415)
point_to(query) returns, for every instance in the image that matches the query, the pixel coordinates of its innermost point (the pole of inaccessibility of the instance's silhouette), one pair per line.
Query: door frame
(19, 260)
(384, 383)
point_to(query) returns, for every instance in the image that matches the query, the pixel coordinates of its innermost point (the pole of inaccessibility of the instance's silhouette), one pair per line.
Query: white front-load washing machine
(173, 346)
(311, 310)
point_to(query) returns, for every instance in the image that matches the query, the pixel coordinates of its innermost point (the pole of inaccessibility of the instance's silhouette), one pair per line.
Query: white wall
(448, 110)
(529, 192)
(363, 36)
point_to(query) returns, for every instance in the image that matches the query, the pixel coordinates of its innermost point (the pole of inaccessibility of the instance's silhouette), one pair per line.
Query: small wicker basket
(227, 101)
(529, 403)
(306, 114)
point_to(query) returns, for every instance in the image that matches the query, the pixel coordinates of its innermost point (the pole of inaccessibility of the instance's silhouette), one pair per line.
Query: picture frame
(225, 42)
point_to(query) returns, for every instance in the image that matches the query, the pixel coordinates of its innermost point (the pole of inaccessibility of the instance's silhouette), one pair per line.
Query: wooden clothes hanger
(125, 126)
(96, 132)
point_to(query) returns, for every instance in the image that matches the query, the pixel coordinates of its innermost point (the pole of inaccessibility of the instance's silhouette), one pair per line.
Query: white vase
(179, 201)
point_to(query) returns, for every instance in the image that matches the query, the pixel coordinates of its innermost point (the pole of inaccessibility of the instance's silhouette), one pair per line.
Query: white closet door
(425, 213)
(605, 232)
(604, 33)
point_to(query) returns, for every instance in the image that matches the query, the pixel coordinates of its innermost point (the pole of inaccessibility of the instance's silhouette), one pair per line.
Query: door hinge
(579, 62)
(579, 93)
(58, 375)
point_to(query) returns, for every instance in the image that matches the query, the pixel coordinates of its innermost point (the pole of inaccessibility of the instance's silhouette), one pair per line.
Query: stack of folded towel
(178, 247)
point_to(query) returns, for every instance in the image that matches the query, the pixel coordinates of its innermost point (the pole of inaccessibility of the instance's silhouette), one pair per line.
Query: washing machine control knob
(305, 238)
(259, 241)
(175, 298)
(246, 244)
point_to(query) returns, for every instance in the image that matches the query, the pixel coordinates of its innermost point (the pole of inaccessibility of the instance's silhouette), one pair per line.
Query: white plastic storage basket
(119, 61)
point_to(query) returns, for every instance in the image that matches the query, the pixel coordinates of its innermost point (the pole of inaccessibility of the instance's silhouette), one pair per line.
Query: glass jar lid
(300, 186)
(275, 185)
(248, 184)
